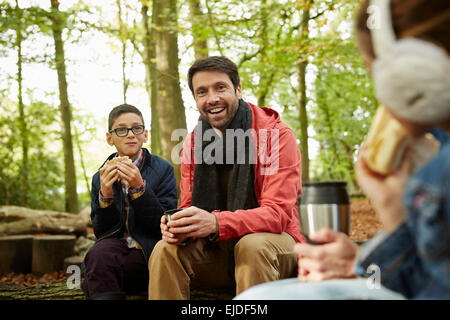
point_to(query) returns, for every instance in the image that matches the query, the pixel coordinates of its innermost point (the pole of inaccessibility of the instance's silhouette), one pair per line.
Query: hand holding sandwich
(119, 168)
(108, 175)
(385, 191)
(389, 156)
(130, 173)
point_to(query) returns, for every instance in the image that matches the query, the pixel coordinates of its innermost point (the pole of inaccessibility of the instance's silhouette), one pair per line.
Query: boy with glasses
(129, 194)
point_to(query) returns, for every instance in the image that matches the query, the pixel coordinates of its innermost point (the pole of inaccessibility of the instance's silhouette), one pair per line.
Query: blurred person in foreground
(407, 54)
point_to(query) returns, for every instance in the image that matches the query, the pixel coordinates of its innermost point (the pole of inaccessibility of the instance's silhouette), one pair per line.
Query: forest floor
(18, 286)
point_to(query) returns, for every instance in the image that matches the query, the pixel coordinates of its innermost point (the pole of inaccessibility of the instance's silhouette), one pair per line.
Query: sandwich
(117, 159)
(387, 142)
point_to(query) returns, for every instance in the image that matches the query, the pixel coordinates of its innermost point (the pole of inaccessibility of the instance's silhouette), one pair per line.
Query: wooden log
(15, 213)
(85, 215)
(72, 261)
(49, 252)
(15, 254)
(19, 220)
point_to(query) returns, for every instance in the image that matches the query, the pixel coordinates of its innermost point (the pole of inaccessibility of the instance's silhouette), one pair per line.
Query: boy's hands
(129, 172)
(108, 175)
(110, 172)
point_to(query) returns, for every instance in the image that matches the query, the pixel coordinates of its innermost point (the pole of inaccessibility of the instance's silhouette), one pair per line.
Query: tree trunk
(266, 78)
(198, 22)
(303, 119)
(123, 40)
(149, 57)
(71, 197)
(301, 72)
(15, 254)
(332, 134)
(49, 253)
(83, 167)
(212, 25)
(170, 105)
(22, 121)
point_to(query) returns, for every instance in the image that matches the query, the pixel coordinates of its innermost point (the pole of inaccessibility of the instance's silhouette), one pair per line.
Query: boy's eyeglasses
(123, 131)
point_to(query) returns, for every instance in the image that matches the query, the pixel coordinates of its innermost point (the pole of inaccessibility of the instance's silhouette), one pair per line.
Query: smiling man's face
(217, 99)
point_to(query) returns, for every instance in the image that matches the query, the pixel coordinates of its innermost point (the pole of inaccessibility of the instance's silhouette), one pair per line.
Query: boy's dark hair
(216, 63)
(123, 108)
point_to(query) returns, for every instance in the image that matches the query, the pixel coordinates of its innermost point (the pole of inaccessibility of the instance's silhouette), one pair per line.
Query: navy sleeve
(160, 195)
(103, 219)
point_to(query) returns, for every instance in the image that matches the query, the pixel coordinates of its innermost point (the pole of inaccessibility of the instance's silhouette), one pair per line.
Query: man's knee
(161, 251)
(252, 248)
(267, 251)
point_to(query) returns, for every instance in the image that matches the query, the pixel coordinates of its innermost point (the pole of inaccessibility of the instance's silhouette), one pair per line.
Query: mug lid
(171, 211)
(329, 192)
(324, 183)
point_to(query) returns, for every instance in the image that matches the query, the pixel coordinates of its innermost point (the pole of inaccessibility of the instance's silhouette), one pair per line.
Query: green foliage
(344, 106)
(262, 36)
(45, 169)
(85, 127)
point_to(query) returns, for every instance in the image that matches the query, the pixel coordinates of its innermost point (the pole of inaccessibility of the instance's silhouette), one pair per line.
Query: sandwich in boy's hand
(119, 159)
(124, 159)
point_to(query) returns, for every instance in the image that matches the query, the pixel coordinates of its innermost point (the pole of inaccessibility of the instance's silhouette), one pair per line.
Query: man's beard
(231, 112)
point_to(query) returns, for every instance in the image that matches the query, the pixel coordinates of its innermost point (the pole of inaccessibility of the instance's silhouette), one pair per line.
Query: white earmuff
(411, 76)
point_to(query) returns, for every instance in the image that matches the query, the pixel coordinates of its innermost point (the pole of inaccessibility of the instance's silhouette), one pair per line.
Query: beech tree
(170, 105)
(58, 23)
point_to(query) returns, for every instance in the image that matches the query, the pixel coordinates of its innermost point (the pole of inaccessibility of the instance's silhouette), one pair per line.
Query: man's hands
(190, 222)
(333, 260)
(113, 171)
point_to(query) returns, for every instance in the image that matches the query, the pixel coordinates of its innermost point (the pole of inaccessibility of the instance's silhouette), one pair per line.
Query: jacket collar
(264, 118)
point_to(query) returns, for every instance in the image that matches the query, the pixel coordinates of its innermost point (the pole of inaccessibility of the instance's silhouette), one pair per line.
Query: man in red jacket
(240, 179)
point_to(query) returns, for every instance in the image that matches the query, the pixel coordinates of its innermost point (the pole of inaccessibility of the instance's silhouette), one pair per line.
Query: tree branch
(213, 28)
(249, 57)
(296, 27)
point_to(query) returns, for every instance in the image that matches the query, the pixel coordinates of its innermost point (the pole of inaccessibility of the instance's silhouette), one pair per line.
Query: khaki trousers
(258, 258)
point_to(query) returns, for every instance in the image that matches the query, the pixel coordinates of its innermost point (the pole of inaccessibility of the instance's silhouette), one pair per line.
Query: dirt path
(364, 222)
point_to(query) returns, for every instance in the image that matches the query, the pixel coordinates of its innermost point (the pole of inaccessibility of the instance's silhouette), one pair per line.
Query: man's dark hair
(216, 63)
(123, 108)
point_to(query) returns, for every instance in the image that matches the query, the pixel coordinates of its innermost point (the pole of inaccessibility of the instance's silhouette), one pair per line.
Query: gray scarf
(216, 152)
